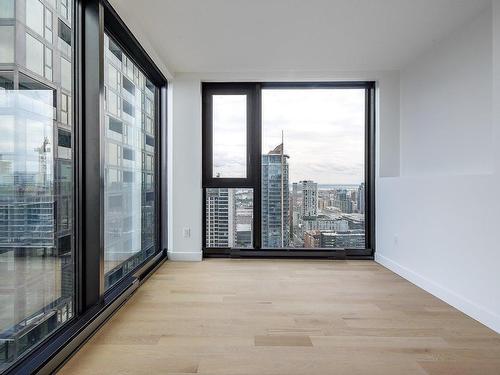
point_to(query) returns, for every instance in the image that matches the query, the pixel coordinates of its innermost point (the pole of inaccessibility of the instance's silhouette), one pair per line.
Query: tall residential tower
(309, 199)
(275, 199)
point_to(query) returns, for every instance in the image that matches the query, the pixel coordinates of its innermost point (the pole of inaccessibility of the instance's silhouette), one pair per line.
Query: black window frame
(94, 305)
(254, 163)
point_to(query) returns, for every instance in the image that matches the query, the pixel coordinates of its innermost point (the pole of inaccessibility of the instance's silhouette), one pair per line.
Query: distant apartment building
(275, 199)
(312, 239)
(220, 223)
(361, 198)
(325, 223)
(243, 235)
(309, 199)
(229, 218)
(343, 201)
(323, 203)
(295, 193)
(352, 239)
(355, 221)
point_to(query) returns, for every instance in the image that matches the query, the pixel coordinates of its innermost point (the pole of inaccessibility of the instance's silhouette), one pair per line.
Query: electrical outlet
(186, 232)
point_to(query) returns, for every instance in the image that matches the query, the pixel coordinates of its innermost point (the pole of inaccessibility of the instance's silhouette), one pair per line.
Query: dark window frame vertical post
(90, 162)
(253, 158)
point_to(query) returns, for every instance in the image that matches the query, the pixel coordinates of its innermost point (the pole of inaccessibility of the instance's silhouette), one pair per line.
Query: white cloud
(324, 131)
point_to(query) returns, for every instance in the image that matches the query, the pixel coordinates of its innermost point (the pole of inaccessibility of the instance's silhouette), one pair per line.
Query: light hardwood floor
(286, 317)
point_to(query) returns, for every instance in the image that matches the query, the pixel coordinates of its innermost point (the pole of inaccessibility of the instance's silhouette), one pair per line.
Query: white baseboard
(178, 256)
(475, 311)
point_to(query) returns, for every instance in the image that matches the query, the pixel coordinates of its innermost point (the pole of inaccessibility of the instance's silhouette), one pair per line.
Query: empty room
(250, 187)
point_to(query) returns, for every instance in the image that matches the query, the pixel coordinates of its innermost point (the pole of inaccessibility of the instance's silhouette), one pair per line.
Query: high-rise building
(229, 218)
(325, 223)
(312, 239)
(309, 199)
(294, 212)
(343, 201)
(351, 239)
(275, 199)
(295, 193)
(361, 198)
(220, 223)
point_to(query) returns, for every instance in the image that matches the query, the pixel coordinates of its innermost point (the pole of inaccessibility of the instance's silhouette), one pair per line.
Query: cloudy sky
(323, 133)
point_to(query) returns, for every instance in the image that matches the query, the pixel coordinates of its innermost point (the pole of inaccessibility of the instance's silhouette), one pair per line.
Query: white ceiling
(288, 35)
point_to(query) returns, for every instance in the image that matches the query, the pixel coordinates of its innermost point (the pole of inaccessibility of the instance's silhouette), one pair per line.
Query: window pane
(36, 189)
(34, 55)
(229, 136)
(48, 25)
(229, 218)
(129, 192)
(34, 16)
(64, 9)
(65, 74)
(48, 64)
(6, 44)
(313, 192)
(64, 33)
(7, 8)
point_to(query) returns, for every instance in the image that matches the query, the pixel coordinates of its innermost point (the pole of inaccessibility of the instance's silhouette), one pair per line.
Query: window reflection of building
(36, 173)
(129, 188)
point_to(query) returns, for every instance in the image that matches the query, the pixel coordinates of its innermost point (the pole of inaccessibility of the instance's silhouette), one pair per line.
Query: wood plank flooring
(286, 317)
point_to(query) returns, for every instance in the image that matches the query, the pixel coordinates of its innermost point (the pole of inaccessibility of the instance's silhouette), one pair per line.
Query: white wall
(437, 223)
(446, 105)
(185, 203)
(185, 200)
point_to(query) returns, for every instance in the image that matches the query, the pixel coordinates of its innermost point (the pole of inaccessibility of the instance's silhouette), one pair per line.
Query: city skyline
(295, 215)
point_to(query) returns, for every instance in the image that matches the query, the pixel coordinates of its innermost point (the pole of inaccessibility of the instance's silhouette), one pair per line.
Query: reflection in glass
(36, 259)
(229, 136)
(34, 55)
(129, 188)
(7, 44)
(36, 179)
(34, 16)
(229, 218)
(7, 8)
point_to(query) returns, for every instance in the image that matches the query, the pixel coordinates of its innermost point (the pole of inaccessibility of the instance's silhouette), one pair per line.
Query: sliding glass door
(310, 159)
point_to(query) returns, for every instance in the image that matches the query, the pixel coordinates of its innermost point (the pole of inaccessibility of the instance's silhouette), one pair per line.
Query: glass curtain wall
(37, 291)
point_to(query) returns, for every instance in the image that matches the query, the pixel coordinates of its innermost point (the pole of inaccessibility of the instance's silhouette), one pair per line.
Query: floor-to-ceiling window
(37, 257)
(304, 153)
(82, 115)
(129, 159)
(313, 168)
